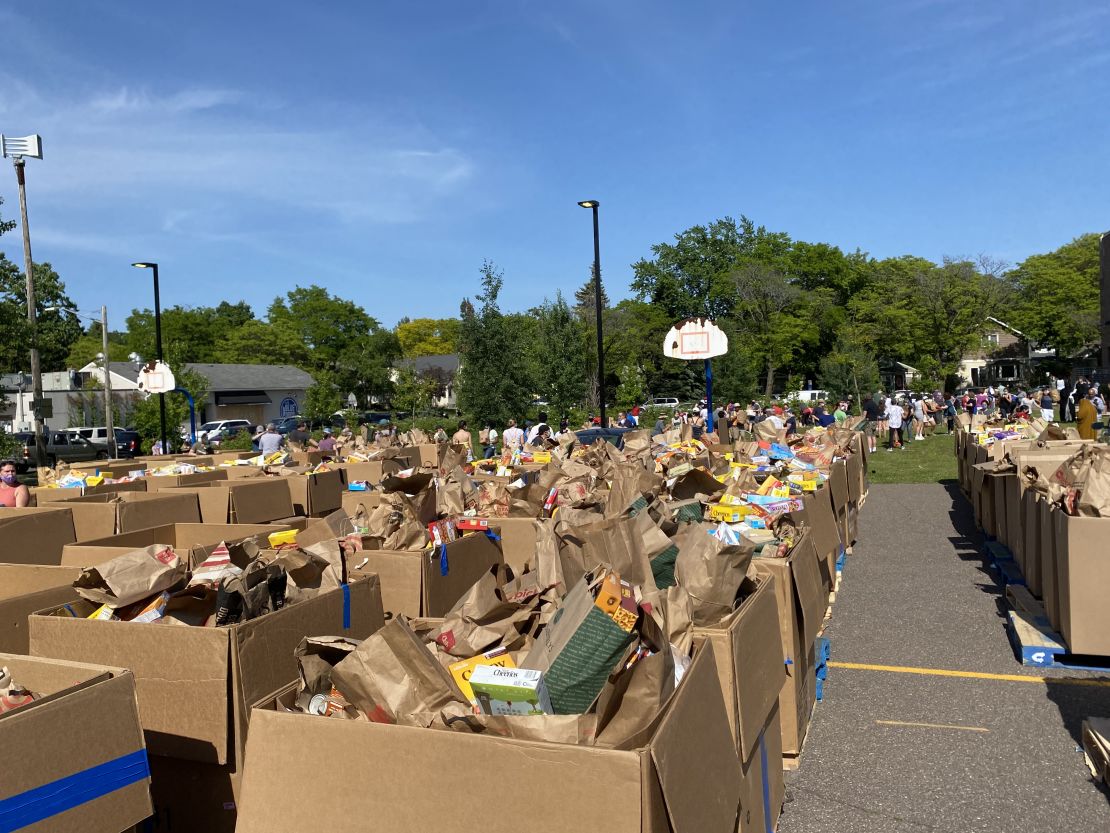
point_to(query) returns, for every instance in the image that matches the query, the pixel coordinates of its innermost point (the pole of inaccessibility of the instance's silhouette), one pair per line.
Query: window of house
(992, 338)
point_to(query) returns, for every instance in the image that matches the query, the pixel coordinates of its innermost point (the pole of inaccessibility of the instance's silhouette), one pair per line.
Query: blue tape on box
(39, 803)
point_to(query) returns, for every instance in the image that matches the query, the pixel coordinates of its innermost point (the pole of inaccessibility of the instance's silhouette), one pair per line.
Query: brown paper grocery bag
(710, 572)
(392, 676)
(132, 577)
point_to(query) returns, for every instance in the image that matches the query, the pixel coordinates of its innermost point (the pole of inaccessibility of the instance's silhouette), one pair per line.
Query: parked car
(809, 397)
(219, 424)
(287, 424)
(129, 444)
(667, 402)
(588, 436)
(60, 446)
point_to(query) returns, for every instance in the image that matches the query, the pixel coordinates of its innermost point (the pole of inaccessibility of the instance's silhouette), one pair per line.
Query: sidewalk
(996, 754)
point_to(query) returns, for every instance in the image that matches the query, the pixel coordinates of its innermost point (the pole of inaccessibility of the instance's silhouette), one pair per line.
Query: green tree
(413, 391)
(86, 348)
(324, 398)
(849, 371)
(693, 276)
(561, 362)
(259, 342)
(144, 416)
(1058, 295)
(773, 313)
(492, 384)
(428, 336)
(57, 329)
(342, 339)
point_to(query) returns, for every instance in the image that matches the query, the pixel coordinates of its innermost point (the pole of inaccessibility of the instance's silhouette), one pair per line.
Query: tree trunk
(769, 386)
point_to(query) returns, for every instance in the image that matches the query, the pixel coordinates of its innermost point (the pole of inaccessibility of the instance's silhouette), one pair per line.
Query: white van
(809, 397)
(661, 402)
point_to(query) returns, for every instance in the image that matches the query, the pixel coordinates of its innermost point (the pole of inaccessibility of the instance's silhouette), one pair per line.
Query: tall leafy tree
(57, 329)
(1058, 295)
(259, 342)
(560, 361)
(428, 336)
(343, 340)
(493, 383)
(86, 348)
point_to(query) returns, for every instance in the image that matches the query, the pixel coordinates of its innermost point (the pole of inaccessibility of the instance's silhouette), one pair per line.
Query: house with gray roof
(259, 393)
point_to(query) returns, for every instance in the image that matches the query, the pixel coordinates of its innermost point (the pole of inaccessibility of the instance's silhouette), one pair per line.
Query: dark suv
(60, 445)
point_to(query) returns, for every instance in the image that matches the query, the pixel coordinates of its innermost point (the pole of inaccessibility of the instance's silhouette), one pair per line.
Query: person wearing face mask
(13, 494)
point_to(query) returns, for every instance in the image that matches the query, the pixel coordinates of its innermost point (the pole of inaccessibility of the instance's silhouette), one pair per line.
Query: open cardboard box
(751, 673)
(75, 758)
(194, 541)
(351, 501)
(170, 481)
(314, 495)
(35, 534)
(194, 683)
(251, 501)
(46, 495)
(801, 608)
(25, 588)
(1050, 594)
(415, 583)
(104, 514)
(518, 539)
(1083, 582)
(684, 778)
(819, 516)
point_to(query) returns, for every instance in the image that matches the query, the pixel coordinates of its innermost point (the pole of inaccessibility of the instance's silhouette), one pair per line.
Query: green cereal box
(510, 690)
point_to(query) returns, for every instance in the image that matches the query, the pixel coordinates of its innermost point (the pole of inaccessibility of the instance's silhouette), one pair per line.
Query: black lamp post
(593, 204)
(158, 347)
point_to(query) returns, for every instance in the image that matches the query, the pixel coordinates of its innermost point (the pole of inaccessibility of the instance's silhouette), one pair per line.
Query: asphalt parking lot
(908, 750)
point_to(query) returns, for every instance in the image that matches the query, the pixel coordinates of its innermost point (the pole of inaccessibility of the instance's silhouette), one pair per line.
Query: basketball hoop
(695, 338)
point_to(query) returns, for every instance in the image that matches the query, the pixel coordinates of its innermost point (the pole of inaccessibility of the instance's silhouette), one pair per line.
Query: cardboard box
(351, 501)
(370, 472)
(249, 501)
(762, 786)
(1083, 582)
(1030, 562)
(801, 608)
(1003, 482)
(518, 540)
(104, 514)
(172, 481)
(45, 495)
(415, 583)
(1046, 520)
(315, 495)
(192, 540)
(684, 778)
(25, 588)
(75, 759)
(195, 684)
(821, 519)
(747, 650)
(35, 535)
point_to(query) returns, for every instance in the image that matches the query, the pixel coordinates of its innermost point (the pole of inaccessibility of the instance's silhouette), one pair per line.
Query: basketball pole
(708, 396)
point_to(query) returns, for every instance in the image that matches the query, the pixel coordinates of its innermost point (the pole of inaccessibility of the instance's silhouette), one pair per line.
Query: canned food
(324, 705)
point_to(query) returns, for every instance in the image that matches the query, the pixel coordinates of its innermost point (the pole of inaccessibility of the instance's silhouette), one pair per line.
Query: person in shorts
(871, 413)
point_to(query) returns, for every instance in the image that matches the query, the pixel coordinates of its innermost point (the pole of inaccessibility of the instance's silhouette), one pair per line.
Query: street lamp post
(17, 148)
(158, 348)
(593, 204)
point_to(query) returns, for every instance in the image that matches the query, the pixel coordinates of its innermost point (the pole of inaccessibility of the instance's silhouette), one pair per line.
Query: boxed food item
(501, 690)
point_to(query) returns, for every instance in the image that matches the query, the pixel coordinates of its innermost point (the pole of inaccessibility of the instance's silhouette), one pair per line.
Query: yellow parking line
(971, 675)
(932, 725)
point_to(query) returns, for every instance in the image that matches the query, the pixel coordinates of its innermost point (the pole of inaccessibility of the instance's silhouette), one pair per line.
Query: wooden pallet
(1039, 646)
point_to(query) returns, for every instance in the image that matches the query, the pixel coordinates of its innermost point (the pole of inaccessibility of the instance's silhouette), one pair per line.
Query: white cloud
(200, 148)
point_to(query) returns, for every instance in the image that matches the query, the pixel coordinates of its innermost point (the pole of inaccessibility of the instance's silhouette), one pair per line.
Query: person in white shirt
(513, 438)
(535, 429)
(894, 416)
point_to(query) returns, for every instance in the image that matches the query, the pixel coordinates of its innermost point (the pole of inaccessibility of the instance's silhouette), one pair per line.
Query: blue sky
(384, 149)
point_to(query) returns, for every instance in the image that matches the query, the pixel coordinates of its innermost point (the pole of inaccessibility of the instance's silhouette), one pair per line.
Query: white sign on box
(695, 338)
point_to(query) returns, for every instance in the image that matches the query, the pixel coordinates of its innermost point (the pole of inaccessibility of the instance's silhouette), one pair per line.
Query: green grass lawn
(932, 460)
